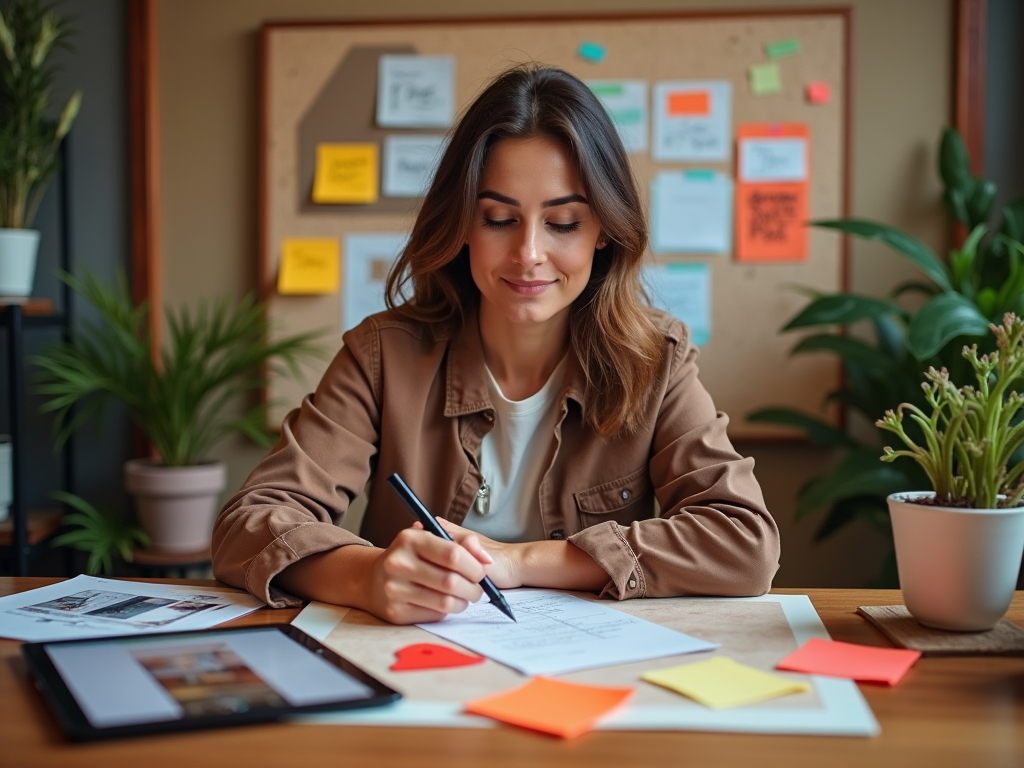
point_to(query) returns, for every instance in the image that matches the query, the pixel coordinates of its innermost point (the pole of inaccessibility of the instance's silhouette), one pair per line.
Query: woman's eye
(565, 228)
(498, 223)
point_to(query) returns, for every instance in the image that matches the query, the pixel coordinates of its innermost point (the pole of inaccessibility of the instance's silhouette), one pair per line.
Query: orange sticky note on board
(345, 173)
(689, 104)
(309, 266)
(818, 93)
(552, 706)
(863, 663)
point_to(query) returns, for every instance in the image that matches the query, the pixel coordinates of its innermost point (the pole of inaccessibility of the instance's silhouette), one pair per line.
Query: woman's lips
(528, 287)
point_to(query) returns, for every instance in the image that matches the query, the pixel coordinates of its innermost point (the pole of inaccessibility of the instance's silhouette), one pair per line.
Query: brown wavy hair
(611, 331)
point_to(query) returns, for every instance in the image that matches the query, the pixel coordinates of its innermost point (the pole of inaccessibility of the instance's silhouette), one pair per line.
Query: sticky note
(765, 79)
(863, 663)
(309, 265)
(432, 656)
(626, 102)
(721, 683)
(552, 706)
(345, 173)
(415, 91)
(696, 103)
(592, 52)
(780, 48)
(818, 93)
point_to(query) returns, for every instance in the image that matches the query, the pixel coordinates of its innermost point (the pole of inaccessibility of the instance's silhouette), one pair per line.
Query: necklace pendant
(482, 504)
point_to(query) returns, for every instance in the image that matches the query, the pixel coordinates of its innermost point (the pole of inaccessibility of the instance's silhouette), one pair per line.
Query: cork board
(319, 85)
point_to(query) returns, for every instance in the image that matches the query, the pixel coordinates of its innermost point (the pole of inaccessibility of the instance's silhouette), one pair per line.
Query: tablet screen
(137, 680)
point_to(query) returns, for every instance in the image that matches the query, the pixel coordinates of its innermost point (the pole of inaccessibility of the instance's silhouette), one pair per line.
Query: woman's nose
(528, 249)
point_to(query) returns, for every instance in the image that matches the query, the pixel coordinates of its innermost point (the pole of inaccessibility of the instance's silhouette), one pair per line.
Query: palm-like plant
(215, 355)
(100, 532)
(980, 281)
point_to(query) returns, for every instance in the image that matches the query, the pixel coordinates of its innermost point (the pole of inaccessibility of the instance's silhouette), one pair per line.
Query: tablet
(124, 686)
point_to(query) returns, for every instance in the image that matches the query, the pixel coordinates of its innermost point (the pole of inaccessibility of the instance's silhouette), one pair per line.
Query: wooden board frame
(746, 364)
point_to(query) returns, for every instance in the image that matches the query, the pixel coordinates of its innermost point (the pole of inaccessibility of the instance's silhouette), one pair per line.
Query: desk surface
(946, 712)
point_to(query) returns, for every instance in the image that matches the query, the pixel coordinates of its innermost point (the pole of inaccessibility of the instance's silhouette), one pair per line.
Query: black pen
(430, 523)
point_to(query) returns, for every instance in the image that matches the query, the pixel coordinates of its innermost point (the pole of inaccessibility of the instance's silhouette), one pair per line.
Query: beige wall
(209, 58)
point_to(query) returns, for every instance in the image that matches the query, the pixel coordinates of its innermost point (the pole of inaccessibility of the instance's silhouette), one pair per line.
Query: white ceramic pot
(176, 505)
(958, 567)
(18, 251)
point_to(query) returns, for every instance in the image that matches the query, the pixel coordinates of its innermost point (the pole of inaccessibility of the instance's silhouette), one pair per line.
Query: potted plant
(29, 139)
(959, 547)
(184, 403)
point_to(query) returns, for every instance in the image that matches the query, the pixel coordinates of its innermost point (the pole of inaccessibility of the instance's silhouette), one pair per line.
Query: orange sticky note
(552, 706)
(689, 104)
(818, 93)
(863, 663)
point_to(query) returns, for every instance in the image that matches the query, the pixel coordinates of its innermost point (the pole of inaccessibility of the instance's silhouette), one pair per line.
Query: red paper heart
(431, 656)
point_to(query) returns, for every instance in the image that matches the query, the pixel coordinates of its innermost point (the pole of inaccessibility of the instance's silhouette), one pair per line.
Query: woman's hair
(610, 329)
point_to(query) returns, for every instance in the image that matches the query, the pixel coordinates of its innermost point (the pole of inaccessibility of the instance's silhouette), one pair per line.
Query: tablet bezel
(73, 721)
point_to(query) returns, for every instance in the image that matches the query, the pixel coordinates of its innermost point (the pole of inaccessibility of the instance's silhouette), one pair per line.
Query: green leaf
(912, 286)
(940, 321)
(818, 432)
(841, 309)
(954, 163)
(860, 473)
(1013, 219)
(846, 511)
(980, 201)
(891, 335)
(916, 251)
(851, 350)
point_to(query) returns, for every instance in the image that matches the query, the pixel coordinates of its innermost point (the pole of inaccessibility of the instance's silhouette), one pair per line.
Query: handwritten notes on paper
(691, 212)
(415, 91)
(863, 663)
(626, 102)
(410, 163)
(721, 683)
(309, 266)
(692, 120)
(683, 289)
(368, 257)
(345, 173)
(558, 633)
(552, 706)
(771, 193)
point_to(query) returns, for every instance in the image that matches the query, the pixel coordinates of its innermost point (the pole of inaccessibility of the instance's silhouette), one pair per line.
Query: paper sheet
(410, 163)
(309, 266)
(691, 212)
(415, 91)
(721, 683)
(555, 633)
(368, 257)
(626, 102)
(86, 606)
(683, 289)
(692, 120)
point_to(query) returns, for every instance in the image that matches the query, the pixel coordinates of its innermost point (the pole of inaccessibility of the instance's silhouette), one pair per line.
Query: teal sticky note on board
(781, 48)
(592, 52)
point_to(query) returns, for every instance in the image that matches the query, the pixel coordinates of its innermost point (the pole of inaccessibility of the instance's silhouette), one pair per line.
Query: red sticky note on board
(863, 663)
(818, 93)
(552, 706)
(431, 656)
(689, 104)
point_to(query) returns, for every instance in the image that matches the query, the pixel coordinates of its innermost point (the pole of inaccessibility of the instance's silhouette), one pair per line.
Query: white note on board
(415, 91)
(626, 103)
(683, 289)
(692, 120)
(368, 258)
(691, 212)
(767, 159)
(409, 164)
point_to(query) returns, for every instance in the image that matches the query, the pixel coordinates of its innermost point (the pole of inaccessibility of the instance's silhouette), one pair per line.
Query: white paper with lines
(555, 633)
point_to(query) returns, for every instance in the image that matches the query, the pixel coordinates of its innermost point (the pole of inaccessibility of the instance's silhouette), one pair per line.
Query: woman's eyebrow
(490, 194)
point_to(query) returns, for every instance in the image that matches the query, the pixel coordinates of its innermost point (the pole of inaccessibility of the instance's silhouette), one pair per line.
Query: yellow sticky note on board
(345, 173)
(721, 683)
(309, 265)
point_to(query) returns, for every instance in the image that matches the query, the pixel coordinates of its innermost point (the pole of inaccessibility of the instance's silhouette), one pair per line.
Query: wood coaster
(896, 623)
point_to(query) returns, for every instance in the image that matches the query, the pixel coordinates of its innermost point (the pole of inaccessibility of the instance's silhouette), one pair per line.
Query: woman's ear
(602, 241)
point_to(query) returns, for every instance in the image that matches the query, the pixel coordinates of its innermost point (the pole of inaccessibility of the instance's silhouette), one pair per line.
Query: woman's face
(532, 242)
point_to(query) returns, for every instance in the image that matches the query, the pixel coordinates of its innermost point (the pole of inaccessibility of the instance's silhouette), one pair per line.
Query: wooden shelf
(31, 308)
(42, 523)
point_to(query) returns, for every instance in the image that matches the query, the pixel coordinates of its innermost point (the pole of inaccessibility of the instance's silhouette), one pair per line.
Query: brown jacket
(398, 399)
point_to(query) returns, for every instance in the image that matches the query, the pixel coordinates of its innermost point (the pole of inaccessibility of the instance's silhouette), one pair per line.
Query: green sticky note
(592, 52)
(780, 48)
(765, 78)
(721, 683)
(628, 116)
(607, 89)
(700, 174)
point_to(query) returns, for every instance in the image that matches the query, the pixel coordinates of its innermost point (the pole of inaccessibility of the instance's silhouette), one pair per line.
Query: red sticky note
(818, 93)
(689, 104)
(552, 706)
(431, 656)
(858, 662)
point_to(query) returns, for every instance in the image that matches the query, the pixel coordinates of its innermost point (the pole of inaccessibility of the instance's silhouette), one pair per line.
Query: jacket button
(625, 495)
(558, 535)
(632, 583)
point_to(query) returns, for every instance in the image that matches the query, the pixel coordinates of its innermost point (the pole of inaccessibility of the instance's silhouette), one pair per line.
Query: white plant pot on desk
(19, 249)
(958, 567)
(176, 505)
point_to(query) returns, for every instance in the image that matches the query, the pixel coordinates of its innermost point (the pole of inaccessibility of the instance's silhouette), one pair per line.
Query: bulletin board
(319, 85)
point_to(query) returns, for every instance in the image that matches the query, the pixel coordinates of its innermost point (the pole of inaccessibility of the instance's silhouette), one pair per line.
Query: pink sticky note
(859, 662)
(818, 93)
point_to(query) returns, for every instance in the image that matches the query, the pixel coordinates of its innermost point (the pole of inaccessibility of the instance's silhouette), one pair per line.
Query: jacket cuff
(610, 550)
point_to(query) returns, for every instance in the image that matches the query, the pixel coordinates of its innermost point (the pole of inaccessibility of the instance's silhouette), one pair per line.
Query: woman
(523, 390)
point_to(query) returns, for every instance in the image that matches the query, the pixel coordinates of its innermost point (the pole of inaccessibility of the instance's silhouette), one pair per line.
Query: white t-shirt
(513, 456)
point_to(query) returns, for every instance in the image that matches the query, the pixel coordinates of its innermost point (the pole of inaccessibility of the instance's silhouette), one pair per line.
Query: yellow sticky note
(721, 683)
(765, 78)
(309, 265)
(345, 173)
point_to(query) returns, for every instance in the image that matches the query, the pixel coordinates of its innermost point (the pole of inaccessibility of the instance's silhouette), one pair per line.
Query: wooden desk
(947, 712)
